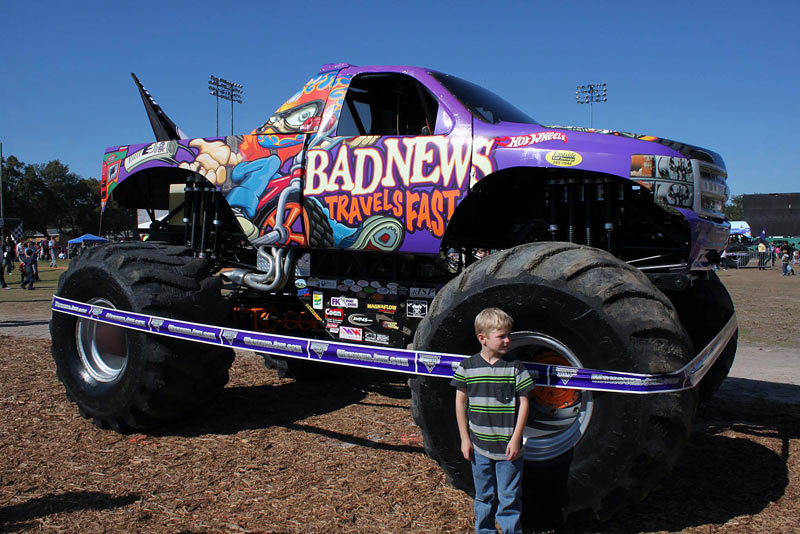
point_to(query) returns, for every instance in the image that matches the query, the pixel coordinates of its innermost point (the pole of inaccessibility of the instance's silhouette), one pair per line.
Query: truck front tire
(587, 454)
(124, 379)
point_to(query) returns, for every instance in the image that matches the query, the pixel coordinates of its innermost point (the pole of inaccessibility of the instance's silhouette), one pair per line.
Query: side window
(387, 104)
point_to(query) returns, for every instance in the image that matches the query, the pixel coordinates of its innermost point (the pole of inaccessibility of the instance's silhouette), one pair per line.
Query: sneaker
(7, 287)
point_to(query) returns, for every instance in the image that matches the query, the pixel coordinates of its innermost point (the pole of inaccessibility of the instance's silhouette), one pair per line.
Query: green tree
(51, 196)
(733, 209)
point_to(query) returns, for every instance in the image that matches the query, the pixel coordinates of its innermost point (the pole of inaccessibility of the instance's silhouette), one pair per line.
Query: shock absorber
(188, 202)
(609, 193)
(588, 197)
(572, 210)
(552, 200)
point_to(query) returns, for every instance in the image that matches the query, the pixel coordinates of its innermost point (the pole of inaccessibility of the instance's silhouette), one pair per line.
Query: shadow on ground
(720, 476)
(253, 407)
(21, 516)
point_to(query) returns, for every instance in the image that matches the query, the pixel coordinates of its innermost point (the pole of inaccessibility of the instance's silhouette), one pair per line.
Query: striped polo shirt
(492, 392)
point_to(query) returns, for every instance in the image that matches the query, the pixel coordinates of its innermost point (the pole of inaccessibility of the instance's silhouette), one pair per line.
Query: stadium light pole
(221, 88)
(589, 94)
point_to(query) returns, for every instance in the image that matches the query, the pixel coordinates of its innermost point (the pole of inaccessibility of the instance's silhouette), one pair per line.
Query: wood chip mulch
(274, 455)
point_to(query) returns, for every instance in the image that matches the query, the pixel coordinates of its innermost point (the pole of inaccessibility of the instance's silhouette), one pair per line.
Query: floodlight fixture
(589, 94)
(222, 88)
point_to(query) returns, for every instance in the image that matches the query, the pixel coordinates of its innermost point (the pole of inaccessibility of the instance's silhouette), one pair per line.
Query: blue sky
(718, 74)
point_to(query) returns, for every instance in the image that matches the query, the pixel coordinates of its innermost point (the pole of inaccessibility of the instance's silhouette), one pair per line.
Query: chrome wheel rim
(103, 348)
(551, 430)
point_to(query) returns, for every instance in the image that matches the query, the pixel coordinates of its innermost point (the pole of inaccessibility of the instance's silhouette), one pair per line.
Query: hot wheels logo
(532, 139)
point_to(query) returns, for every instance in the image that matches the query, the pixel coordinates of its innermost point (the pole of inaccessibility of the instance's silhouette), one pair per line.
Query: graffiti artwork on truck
(670, 179)
(416, 182)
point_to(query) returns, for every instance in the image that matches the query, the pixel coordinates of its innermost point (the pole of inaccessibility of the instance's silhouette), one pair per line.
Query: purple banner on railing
(399, 360)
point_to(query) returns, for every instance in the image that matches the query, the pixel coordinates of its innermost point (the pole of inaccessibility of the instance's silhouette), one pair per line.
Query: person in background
(5, 253)
(53, 253)
(31, 268)
(762, 256)
(786, 267)
(10, 254)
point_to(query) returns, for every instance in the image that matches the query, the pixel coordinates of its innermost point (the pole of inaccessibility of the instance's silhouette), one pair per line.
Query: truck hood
(687, 150)
(607, 151)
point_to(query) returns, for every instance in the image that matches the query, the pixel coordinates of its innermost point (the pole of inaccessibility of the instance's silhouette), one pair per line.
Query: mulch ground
(277, 456)
(273, 455)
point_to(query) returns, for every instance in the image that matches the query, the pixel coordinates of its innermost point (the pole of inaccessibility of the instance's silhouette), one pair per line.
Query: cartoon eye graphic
(296, 118)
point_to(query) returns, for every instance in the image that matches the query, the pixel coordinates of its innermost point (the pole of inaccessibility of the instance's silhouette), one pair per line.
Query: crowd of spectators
(26, 255)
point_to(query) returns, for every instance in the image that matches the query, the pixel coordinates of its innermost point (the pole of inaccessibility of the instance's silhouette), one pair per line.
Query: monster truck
(352, 228)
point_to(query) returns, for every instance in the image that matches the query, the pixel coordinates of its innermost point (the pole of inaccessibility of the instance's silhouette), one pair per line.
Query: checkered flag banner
(15, 226)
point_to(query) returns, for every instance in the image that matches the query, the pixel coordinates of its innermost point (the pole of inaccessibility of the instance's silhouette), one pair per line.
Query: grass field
(43, 290)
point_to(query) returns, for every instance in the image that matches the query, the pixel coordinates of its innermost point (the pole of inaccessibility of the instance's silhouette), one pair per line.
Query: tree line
(49, 195)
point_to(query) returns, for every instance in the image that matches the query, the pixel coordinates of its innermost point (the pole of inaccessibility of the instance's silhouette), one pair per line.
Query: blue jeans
(497, 480)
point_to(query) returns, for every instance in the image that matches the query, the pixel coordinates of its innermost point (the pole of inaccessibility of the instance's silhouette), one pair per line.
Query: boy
(491, 409)
(30, 269)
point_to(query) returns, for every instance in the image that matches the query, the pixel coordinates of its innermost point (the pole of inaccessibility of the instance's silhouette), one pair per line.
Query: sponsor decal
(318, 348)
(334, 314)
(531, 139)
(96, 311)
(319, 300)
(272, 345)
(372, 337)
(430, 361)
(359, 319)
(325, 283)
(305, 292)
(332, 327)
(390, 325)
(311, 310)
(375, 284)
(563, 158)
(382, 308)
(343, 288)
(383, 290)
(355, 288)
(300, 283)
(422, 292)
(349, 282)
(313, 282)
(229, 336)
(363, 283)
(343, 302)
(160, 151)
(156, 324)
(353, 334)
(564, 375)
(416, 308)
(142, 322)
(372, 357)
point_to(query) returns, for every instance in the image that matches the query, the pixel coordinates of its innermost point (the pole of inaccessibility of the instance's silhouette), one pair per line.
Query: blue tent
(87, 238)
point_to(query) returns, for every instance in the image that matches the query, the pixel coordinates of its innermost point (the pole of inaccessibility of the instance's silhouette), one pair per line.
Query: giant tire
(607, 315)
(704, 309)
(124, 379)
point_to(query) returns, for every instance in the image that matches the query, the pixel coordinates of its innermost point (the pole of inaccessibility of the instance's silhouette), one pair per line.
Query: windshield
(483, 103)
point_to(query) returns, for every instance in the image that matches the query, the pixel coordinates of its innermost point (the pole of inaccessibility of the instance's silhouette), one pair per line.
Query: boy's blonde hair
(492, 319)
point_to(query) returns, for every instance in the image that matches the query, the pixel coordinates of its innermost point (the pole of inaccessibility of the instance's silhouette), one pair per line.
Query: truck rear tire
(587, 455)
(704, 309)
(124, 379)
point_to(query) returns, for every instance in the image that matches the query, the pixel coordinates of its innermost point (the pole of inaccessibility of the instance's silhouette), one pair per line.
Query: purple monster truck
(365, 224)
